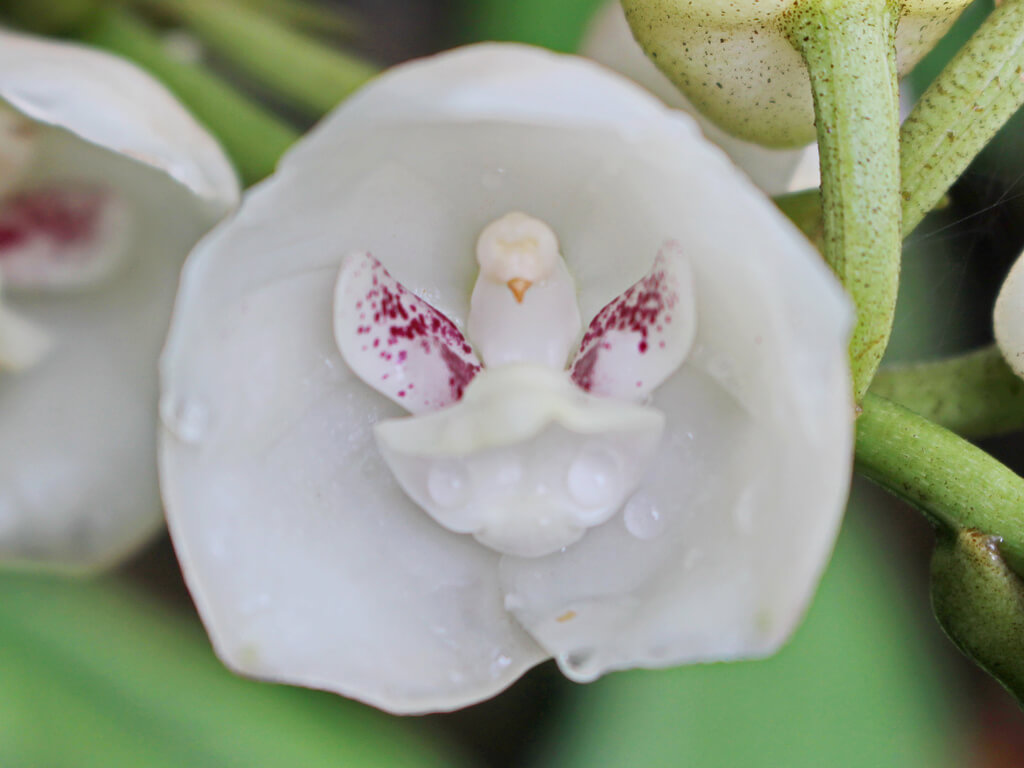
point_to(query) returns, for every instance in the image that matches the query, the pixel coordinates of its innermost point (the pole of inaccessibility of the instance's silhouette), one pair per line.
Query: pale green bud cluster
(735, 60)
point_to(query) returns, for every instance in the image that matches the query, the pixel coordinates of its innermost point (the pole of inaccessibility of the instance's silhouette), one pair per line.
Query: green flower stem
(849, 47)
(980, 604)
(957, 485)
(977, 92)
(976, 395)
(295, 67)
(253, 137)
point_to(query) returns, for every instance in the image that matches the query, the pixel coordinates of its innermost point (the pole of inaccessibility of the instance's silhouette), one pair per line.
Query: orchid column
(747, 65)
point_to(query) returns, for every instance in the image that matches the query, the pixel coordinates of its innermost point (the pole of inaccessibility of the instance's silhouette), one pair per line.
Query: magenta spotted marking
(639, 317)
(64, 215)
(398, 343)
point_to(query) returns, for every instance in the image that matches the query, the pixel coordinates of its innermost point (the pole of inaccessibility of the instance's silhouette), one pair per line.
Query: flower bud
(735, 62)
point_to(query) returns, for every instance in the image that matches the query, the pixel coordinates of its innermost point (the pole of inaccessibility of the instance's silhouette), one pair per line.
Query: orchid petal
(78, 487)
(638, 340)
(396, 342)
(22, 343)
(63, 237)
(77, 463)
(111, 103)
(304, 556)
(282, 493)
(1008, 318)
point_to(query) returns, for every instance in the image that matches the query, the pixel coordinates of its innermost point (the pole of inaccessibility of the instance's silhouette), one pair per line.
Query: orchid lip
(510, 439)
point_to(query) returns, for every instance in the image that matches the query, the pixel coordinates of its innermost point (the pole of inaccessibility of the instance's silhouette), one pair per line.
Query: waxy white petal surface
(113, 104)
(396, 342)
(78, 486)
(638, 340)
(308, 560)
(1008, 318)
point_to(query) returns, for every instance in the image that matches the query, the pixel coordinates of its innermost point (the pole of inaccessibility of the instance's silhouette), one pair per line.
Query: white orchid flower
(506, 362)
(105, 184)
(609, 40)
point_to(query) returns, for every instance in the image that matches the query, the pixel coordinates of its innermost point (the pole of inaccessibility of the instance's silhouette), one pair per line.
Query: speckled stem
(295, 67)
(980, 604)
(975, 395)
(849, 47)
(977, 92)
(957, 485)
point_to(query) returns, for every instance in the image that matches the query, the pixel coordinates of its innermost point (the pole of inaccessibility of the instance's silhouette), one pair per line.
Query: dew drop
(493, 179)
(642, 517)
(500, 664)
(579, 666)
(186, 419)
(593, 478)
(508, 472)
(448, 484)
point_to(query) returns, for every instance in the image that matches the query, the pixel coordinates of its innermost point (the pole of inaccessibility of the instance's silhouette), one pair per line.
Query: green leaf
(92, 674)
(556, 25)
(856, 687)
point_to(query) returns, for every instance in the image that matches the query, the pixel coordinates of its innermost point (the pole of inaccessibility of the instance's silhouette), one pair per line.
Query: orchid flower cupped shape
(105, 184)
(505, 362)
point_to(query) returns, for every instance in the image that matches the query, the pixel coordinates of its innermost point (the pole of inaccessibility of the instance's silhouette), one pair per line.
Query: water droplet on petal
(512, 602)
(508, 472)
(500, 664)
(578, 665)
(593, 478)
(493, 179)
(186, 419)
(642, 517)
(448, 484)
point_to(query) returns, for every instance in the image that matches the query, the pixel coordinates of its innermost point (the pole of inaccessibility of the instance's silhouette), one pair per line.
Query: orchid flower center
(54, 236)
(514, 438)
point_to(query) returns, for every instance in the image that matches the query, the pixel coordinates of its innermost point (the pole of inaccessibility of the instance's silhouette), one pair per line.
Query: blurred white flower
(1009, 317)
(609, 41)
(105, 184)
(630, 439)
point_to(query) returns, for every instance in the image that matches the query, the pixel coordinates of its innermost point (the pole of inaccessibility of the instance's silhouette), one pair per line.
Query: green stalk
(975, 395)
(252, 137)
(980, 604)
(849, 47)
(295, 67)
(973, 97)
(957, 485)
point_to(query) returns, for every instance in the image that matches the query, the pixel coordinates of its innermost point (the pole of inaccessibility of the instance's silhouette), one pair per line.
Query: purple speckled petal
(396, 342)
(641, 336)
